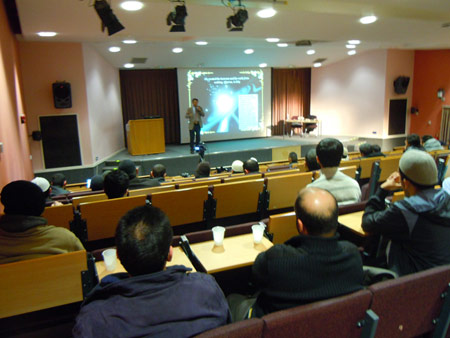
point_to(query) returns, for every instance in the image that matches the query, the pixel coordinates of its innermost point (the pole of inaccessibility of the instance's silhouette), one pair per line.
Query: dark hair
(97, 183)
(329, 151)
(376, 148)
(128, 167)
(194, 99)
(23, 198)
(116, 184)
(58, 180)
(311, 160)
(319, 221)
(293, 157)
(365, 149)
(143, 239)
(251, 165)
(418, 186)
(159, 170)
(203, 170)
(425, 138)
(413, 140)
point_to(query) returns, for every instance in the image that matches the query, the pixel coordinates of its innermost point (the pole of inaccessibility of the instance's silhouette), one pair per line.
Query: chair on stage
(296, 125)
(309, 127)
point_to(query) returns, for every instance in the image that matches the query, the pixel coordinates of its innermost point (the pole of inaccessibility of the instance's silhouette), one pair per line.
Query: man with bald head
(309, 267)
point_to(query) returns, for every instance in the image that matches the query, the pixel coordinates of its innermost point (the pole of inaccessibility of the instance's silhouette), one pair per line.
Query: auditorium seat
(283, 189)
(398, 196)
(388, 165)
(282, 227)
(239, 178)
(337, 317)
(275, 167)
(349, 171)
(146, 191)
(301, 166)
(281, 172)
(350, 163)
(366, 166)
(59, 216)
(243, 329)
(76, 201)
(198, 183)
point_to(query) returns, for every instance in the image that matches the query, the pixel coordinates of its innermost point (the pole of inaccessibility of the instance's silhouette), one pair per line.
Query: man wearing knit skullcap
(418, 226)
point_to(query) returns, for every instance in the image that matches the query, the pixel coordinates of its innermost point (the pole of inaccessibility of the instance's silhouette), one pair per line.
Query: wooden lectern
(146, 136)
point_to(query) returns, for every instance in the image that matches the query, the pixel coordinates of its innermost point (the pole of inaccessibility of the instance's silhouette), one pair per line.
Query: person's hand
(393, 182)
(56, 204)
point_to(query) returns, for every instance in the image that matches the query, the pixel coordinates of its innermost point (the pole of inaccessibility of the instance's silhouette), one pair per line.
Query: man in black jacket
(312, 266)
(419, 225)
(129, 167)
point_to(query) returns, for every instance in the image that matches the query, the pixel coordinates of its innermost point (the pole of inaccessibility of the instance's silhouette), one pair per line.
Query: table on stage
(302, 122)
(146, 136)
(353, 222)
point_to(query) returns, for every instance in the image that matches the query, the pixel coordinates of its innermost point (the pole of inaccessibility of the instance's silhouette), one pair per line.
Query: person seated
(344, 188)
(57, 185)
(158, 173)
(345, 154)
(115, 184)
(312, 266)
(23, 233)
(97, 183)
(237, 167)
(366, 150)
(130, 169)
(419, 225)
(412, 141)
(292, 158)
(44, 184)
(203, 170)
(150, 299)
(376, 151)
(311, 160)
(430, 143)
(251, 166)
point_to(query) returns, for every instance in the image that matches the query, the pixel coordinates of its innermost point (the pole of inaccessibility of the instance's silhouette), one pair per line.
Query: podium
(146, 136)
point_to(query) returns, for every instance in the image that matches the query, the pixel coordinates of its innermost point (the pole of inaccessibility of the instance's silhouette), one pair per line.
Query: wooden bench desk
(353, 222)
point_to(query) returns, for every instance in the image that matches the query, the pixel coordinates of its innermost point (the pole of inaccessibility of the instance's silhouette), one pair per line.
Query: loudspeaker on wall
(401, 84)
(62, 95)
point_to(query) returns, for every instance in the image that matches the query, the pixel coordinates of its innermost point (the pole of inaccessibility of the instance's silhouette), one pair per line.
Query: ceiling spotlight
(201, 43)
(354, 42)
(46, 34)
(310, 52)
(235, 23)
(365, 20)
(132, 5)
(266, 13)
(317, 64)
(177, 50)
(177, 17)
(249, 51)
(109, 20)
(128, 65)
(282, 44)
(350, 46)
(273, 40)
(263, 65)
(351, 52)
(129, 42)
(114, 49)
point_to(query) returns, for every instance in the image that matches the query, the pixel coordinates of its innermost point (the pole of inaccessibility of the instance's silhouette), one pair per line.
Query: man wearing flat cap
(418, 227)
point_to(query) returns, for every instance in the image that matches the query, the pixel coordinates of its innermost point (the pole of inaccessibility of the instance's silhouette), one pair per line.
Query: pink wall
(15, 161)
(42, 64)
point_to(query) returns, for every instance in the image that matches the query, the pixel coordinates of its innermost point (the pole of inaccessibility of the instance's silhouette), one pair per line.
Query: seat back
(398, 196)
(336, 317)
(239, 178)
(199, 183)
(102, 216)
(281, 172)
(301, 166)
(350, 163)
(407, 306)
(283, 227)
(76, 201)
(349, 171)
(237, 198)
(366, 165)
(388, 165)
(243, 329)
(182, 206)
(41, 283)
(284, 189)
(147, 191)
(59, 216)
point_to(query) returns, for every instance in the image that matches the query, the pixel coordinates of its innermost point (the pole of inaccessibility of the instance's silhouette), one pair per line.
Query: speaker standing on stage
(194, 114)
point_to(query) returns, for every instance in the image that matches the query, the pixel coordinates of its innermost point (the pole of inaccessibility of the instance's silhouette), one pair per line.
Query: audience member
(203, 170)
(97, 183)
(158, 172)
(292, 158)
(130, 169)
(311, 160)
(23, 233)
(44, 184)
(366, 150)
(412, 141)
(376, 151)
(237, 167)
(57, 185)
(312, 266)
(150, 299)
(115, 184)
(430, 143)
(251, 166)
(419, 225)
(344, 188)
(345, 154)
(446, 185)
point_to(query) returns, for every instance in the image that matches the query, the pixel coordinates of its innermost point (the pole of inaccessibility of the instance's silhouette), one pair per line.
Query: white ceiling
(405, 24)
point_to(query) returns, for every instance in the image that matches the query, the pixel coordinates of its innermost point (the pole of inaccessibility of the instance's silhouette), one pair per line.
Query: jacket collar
(314, 243)
(20, 223)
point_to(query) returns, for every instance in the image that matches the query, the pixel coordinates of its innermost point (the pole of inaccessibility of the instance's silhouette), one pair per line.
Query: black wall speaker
(36, 135)
(62, 95)
(401, 84)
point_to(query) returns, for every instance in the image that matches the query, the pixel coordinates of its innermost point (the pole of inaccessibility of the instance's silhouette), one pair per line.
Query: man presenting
(194, 114)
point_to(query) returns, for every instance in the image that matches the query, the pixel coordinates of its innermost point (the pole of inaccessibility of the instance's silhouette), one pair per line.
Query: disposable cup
(110, 259)
(258, 231)
(218, 234)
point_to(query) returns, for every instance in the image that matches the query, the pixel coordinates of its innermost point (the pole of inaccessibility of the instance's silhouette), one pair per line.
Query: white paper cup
(110, 259)
(218, 234)
(258, 231)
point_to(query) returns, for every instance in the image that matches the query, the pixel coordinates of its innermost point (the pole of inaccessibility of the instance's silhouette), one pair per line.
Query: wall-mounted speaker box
(401, 84)
(62, 95)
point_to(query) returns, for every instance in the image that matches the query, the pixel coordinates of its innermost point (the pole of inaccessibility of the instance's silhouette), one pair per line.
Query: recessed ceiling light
(114, 49)
(317, 64)
(365, 20)
(128, 65)
(354, 42)
(350, 46)
(266, 13)
(129, 42)
(310, 52)
(201, 43)
(263, 65)
(132, 5)
(249, 51)
(282, 44)
(177, 50)
(46, 34)
(272, 40)
(351, 52)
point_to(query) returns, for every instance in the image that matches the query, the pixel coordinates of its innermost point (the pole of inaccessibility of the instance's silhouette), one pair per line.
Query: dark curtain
(291, 95)
(151, 92)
